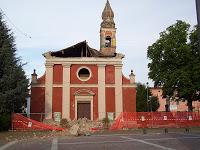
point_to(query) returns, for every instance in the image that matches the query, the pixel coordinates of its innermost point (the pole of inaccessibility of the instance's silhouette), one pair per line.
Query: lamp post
(147, 97)
(150, 101)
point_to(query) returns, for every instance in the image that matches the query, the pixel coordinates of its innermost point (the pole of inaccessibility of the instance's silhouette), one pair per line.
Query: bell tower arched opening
(108, 41)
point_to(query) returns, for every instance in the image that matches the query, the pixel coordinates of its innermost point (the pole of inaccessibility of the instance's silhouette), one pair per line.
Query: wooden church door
(83, 110)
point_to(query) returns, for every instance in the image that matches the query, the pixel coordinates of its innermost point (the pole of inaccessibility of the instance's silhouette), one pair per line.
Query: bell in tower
(107, 32)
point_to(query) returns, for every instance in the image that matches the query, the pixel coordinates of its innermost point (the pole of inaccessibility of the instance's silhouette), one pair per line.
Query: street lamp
(150, 103)
(147, 97)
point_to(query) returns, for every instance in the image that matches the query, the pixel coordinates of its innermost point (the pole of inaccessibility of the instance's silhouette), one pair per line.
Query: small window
(84, 74)
(108, 41)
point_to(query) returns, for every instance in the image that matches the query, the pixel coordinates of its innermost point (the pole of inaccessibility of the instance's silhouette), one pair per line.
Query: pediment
(84, 92)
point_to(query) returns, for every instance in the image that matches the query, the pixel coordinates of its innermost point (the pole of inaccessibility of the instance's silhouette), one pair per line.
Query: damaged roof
(78, 50)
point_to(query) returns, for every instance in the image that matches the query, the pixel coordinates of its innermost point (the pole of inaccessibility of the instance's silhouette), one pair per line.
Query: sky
(54, 25)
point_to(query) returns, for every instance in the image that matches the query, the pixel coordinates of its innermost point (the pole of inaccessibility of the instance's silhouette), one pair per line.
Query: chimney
(132, 77)
(34, 77)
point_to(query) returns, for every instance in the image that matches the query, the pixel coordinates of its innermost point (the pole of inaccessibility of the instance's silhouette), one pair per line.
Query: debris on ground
(74, 130)
(51, 122)
(28, 135)
(83, 126)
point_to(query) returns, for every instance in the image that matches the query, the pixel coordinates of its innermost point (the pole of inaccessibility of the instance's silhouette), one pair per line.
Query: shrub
(64, 123)
(106, 122)
(5, 121)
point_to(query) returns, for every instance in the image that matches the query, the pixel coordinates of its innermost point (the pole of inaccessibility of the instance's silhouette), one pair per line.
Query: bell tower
(108, 32)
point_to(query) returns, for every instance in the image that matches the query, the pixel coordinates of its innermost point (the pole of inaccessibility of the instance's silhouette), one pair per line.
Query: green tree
(154, 103)
(174, 62)
(13, 82)
(141, 99)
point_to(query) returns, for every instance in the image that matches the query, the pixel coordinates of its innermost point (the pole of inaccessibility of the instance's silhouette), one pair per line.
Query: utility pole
(147, 96)
(198, 17)
(198, 11)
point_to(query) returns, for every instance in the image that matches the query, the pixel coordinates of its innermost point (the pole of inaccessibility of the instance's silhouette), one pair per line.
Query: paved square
(156, 141)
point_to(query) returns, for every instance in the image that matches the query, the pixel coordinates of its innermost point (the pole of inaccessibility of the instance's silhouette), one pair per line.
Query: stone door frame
(84, 98)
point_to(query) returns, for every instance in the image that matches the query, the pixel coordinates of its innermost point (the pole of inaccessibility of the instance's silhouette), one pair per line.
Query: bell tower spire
(108, 32)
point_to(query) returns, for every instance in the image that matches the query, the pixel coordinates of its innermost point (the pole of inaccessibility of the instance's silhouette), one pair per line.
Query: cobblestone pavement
(154, 141)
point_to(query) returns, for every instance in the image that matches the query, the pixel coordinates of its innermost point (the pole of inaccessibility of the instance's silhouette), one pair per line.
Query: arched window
(108, 41)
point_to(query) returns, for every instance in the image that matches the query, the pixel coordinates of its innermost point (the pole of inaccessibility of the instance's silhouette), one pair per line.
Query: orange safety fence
(156, 120)
(20, 122)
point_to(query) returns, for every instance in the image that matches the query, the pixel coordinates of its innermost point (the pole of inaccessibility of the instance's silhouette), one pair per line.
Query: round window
(84, 74)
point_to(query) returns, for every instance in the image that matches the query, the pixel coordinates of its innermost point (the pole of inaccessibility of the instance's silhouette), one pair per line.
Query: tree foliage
(141, 99)
(13, 82)
(154, 103)
(175, 62)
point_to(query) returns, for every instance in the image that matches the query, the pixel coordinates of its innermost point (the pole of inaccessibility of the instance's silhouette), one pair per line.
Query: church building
(81, 81)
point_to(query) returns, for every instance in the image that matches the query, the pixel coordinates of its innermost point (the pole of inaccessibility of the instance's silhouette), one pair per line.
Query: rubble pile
(51, 122)
(83, 126)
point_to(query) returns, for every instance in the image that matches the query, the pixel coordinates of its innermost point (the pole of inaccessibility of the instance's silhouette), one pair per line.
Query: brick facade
(128, 91)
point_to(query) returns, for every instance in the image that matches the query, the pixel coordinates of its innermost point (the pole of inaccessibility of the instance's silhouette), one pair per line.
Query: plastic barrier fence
(156, 120)
(20, 122)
